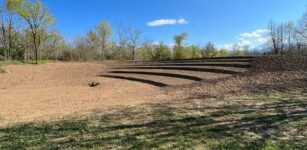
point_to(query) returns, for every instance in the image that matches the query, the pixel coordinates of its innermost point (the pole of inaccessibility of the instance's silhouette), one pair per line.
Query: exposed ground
(30, 92)
(224, 103)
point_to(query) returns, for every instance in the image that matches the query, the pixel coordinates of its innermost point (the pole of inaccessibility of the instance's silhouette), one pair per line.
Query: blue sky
(220, 21)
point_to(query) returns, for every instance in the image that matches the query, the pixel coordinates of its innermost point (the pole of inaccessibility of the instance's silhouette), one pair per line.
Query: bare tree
(301, 34)
(120, 49)
(134, 37)
(7, 32)
(289, 31)
(276, 38)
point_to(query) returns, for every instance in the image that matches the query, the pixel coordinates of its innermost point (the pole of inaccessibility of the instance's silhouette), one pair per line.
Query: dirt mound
(244, 84)
(279, 63)
(279, 73)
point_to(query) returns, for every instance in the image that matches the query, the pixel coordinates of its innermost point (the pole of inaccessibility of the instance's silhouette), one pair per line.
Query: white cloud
(182, 21)
(255, 34)
(252, 39)
(162, 22)
(243, 41)
(226, 46)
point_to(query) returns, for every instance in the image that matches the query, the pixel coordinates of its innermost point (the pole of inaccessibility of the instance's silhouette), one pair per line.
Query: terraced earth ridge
(178, 72)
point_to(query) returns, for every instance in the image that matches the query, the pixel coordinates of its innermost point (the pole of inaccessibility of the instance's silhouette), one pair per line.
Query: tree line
(28, 33)
(288, 37)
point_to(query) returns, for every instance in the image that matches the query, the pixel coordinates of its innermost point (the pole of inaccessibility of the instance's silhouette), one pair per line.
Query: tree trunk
(35, 48)
(133, 53)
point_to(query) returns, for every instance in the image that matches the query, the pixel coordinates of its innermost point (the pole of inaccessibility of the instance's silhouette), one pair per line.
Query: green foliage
(144, 54)
(103, 32)
(150, 51)
(222, 53)
(209, 50)
(121, 53)
(162, 52)
(99, 40)
(15, 62)
(67, 55)
(195, 51)
(93, 38)
(38, 18)
(180, 52)
(104, 29)
(2, 70)
(180, 39)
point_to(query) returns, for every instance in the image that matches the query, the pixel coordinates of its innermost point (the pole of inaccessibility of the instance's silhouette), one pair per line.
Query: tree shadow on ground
(250, 124)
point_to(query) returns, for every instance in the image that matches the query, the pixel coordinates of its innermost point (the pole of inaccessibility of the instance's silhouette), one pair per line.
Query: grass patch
(14, 62)
(2, 70)
(183, 124)
(39, 62)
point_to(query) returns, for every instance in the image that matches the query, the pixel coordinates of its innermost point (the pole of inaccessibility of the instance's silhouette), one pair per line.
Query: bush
(162, 52)
(195, 52)
(182, 53)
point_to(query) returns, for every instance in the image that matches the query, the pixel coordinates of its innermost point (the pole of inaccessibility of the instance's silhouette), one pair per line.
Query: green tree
(53, 45)
(222, 53)
(210, 50)
(38, 18)
(180, 52)
(196, 52)
(93, 41)
(104, 32)
(146, 51)
(162, 52)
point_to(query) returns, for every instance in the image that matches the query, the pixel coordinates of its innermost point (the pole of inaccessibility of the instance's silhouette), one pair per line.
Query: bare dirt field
(224, 103)
(30, 92)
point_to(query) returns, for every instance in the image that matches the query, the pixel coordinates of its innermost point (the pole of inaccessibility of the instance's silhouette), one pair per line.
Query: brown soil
(52, 91)
(29, 92)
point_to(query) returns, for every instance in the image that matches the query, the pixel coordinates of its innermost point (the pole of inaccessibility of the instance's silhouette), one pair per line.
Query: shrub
(162, 52)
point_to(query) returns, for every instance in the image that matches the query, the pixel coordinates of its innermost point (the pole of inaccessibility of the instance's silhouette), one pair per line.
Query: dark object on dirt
(93, 84)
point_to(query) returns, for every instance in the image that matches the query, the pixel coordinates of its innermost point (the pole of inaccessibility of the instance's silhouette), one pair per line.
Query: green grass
(15, 62)
(39, 62)
(2, 70)
(280, 123)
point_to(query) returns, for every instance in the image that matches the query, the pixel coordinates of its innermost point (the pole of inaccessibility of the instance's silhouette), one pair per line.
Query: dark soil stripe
(204, 60)
(213, 58)
(198, 64)
(160, 74)
(187, 69)
(154, 83)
